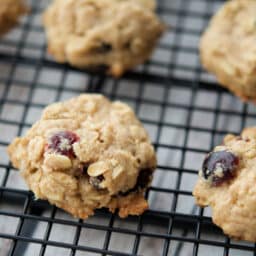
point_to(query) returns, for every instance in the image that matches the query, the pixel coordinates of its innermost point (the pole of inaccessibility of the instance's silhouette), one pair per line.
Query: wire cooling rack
(184, 110)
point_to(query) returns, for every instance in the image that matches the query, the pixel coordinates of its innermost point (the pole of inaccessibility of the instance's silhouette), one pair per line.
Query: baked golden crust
(228, 47)
(10, 12)
(233, 203)
(107, 35)
(108, 164)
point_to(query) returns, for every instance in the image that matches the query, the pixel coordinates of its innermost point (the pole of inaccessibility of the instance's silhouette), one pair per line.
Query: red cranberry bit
(219, 167)
(143, 180)
(95, 181)
(104, 48)
(62, 142)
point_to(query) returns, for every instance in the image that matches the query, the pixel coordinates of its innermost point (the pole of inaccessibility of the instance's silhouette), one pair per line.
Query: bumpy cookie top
(227, 183)
(228, 46)
(86, 139)
(114, 35)
(10, 11)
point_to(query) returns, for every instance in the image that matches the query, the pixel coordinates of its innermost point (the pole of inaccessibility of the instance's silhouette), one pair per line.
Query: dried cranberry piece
(143, 180)
(95, 181)
(62, 142)
(104, 48)
(219, 167)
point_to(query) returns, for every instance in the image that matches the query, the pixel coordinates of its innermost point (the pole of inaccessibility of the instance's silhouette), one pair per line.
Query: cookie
(109, 36)
(10, 12)
(227, 184)
(228, 47)
(87, 153)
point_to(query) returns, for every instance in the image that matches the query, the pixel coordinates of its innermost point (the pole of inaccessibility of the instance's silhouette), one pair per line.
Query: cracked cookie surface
(102, 35)
(228, 48)
(10, 12)
(233, 200)
(87, 153)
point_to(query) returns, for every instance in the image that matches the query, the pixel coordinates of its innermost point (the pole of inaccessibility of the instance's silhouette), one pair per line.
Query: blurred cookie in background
(10, 12)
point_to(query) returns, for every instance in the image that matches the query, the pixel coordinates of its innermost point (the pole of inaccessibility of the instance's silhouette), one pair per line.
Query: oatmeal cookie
(87, 153)
(227, 184)
(10, 11)
(110, 36)
(228, 47)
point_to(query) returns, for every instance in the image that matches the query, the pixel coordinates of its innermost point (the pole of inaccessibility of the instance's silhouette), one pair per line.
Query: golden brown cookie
(228, 47)
(227, 184)
(87, 153)
(106, 35)
(10, 12)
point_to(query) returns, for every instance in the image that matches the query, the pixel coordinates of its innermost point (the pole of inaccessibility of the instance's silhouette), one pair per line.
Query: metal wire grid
(180, 105)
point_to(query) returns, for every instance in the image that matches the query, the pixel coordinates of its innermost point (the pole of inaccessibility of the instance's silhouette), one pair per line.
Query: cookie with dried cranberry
(227, 184)
(228, 48)
(10, 12)
(87, 153)
(109, 36)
